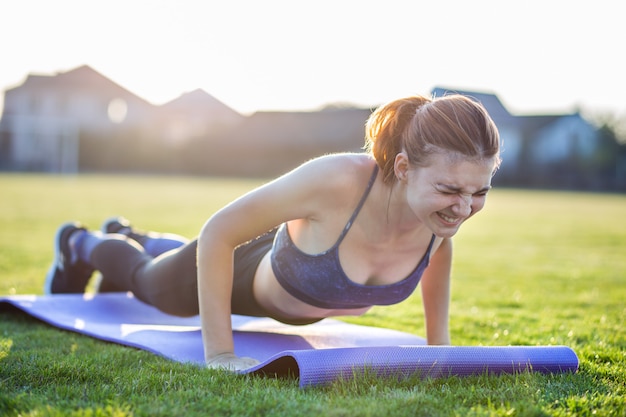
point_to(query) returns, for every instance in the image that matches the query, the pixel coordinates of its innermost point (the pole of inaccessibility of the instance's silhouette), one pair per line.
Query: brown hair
(422, 126)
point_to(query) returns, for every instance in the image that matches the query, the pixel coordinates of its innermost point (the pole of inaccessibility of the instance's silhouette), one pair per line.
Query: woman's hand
(231, 362)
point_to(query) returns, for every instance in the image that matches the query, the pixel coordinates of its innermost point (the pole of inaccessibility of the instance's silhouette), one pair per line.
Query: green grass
(535, 268)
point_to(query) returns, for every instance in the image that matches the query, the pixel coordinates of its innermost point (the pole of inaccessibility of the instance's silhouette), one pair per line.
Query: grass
(535, 268)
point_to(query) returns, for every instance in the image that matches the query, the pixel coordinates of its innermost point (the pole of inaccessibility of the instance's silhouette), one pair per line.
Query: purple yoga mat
(318, 353)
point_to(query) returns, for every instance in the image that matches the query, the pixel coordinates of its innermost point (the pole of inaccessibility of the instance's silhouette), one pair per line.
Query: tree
(610, 159)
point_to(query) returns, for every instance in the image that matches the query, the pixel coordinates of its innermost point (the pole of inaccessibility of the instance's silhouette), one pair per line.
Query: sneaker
(121, 225)
(64, 276)
(116, 224)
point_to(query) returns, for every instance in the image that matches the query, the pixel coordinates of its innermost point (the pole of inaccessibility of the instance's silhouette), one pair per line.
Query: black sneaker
(116, 224)
(122, 226)
(65, 277)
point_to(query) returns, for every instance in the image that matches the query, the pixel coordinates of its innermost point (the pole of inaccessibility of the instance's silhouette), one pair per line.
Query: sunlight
(117, 110)
(5, 347)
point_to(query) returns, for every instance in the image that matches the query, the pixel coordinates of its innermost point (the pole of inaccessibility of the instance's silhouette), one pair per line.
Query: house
(537, 149)
(195, 114)
(269, 143)
(45, 116)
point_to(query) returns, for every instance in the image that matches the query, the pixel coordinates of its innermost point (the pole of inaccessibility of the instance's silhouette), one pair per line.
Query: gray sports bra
(319, 280)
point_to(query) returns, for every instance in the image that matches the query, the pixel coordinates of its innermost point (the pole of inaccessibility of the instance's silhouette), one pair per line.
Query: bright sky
(537, 55)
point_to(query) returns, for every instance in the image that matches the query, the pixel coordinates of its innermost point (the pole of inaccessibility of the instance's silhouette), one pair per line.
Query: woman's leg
(167, 282)
(153, 242)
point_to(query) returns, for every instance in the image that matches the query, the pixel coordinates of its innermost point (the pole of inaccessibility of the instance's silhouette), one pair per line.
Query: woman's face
(448, 191)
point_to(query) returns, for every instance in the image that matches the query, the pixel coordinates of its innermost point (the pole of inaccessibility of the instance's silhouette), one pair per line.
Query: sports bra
(320, 281)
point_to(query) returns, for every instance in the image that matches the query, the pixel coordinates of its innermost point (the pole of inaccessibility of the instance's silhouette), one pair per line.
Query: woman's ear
(401, 166)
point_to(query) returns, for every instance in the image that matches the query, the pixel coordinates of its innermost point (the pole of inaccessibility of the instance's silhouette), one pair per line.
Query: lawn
(535, 268)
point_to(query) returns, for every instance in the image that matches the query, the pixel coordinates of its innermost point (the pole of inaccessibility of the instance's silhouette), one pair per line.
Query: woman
(335, 236)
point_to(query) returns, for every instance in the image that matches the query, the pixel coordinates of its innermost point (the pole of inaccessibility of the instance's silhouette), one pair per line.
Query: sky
(538, 56)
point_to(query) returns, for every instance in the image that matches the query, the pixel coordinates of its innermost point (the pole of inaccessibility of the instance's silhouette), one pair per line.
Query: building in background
(535, 146)
(44, 118)
(81, 120)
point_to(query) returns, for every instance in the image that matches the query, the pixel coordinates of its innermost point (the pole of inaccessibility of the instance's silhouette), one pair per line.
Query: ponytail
(421, 126)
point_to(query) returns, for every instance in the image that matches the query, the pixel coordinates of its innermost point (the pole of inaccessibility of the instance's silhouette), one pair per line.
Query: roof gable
(492, 103)
(198, 100)
(83, 78)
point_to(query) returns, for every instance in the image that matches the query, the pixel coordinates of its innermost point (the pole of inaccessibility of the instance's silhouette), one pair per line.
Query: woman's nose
(463, 207)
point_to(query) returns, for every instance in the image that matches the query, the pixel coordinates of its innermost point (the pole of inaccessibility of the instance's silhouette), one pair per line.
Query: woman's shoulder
(341, 167)
(333, 178)
(335, 182)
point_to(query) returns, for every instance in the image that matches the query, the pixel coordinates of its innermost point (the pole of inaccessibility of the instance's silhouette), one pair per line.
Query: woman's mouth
(450, 220)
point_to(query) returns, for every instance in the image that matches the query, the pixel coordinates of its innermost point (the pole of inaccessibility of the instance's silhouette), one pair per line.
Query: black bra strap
(359, 206)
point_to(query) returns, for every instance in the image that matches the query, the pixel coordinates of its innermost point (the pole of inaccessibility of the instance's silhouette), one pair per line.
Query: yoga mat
(317, 353)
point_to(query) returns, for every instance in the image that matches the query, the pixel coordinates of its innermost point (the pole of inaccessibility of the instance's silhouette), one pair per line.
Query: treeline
(133, 152)
(221, 154)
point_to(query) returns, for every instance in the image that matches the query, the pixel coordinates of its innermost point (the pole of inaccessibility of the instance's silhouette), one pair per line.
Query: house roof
(199, 100)
(531, 124)
(80, 78)
(492, 103)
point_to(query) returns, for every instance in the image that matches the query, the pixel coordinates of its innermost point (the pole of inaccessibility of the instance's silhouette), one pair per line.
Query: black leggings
(169, 281)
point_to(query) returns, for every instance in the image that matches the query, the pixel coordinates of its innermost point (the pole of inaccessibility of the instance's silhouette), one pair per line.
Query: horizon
(285, 56)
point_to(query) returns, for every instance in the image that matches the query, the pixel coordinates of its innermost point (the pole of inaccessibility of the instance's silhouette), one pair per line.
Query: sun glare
(117, 110)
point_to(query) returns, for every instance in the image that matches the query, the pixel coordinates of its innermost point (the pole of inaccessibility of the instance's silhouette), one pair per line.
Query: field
(534, 268)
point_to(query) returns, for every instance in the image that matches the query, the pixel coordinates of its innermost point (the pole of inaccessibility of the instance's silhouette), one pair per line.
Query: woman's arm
(305, 192)
(436, 294)
(215, 259)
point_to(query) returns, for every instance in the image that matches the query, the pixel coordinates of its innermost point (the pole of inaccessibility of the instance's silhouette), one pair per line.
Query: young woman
(334, 237)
